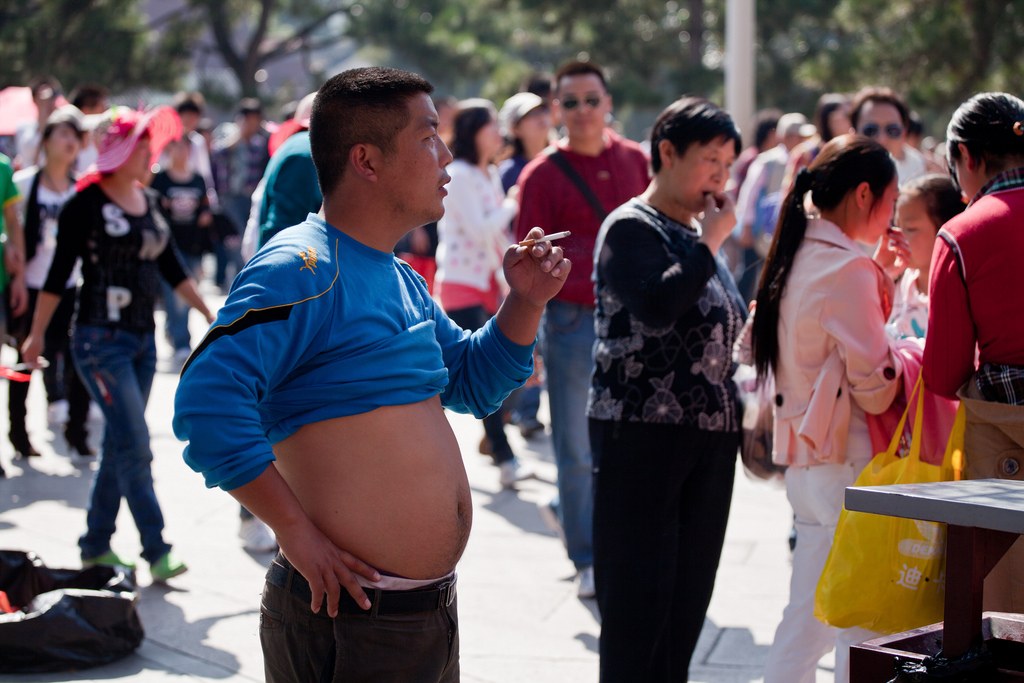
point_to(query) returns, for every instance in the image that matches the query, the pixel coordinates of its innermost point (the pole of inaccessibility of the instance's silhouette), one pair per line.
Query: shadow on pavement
(727, 655)
(588, 640)
(184, 643)
(522, 513)
(21, 489)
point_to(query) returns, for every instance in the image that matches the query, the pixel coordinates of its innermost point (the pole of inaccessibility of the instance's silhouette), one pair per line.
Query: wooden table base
(875, 661)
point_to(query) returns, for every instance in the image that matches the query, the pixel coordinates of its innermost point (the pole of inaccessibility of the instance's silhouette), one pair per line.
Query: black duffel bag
(67, 618)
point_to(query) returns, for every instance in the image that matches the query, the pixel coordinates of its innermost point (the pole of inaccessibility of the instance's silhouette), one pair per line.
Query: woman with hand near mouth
(663, 410)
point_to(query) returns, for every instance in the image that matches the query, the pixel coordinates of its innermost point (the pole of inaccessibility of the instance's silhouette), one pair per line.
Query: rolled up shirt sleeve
(252, 346)
(483, 367)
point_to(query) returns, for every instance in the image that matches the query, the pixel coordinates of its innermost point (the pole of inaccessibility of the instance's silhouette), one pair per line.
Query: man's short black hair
(577, 68)
(89, 95)
(189, 102)
(539, 84)
(881, 96)
(250, 105)
(359, 106)
(688, 121)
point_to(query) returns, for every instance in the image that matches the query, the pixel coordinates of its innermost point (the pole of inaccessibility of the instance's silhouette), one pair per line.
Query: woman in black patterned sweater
(664, 414)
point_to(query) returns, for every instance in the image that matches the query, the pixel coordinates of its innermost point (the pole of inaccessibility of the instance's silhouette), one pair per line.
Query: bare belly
(387, 486)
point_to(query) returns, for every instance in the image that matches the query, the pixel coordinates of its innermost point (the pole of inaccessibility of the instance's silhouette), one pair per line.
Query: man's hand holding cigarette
(535, 272)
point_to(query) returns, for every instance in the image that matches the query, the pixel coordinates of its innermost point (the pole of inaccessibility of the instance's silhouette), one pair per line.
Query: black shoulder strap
(565, 167)
(30, 224)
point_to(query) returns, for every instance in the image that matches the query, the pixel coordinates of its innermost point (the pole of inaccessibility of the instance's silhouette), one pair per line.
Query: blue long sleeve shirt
(318, 326)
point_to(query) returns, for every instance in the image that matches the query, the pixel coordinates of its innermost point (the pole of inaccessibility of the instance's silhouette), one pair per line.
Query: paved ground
(519, 615)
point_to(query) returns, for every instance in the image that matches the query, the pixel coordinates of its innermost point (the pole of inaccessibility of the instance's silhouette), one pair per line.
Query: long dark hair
(991, 126)
(842, 165)
(827, 104)
(471, 117)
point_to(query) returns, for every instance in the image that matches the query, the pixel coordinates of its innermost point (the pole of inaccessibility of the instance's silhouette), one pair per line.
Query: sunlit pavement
(520, 619)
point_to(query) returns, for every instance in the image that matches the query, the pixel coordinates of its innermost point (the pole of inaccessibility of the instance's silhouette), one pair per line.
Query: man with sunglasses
(881, 114)
(572, 186)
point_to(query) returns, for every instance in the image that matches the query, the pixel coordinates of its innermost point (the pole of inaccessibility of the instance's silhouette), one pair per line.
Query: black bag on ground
(68, 618)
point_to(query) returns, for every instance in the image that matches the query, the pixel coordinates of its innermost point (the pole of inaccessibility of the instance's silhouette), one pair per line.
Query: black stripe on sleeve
(251, 318)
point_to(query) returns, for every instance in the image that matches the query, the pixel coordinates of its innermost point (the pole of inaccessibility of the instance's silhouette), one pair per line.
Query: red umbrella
(17, 107)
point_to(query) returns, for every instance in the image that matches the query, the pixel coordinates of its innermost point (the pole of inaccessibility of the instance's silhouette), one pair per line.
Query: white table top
(985, 503)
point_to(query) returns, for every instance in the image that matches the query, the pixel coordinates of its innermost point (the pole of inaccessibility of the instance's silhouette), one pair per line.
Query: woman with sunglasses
(115, 227)
(975, 344)
(819, 327)
(882, 115)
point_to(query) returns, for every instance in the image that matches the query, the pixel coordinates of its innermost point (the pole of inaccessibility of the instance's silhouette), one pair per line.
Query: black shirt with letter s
(123, 257)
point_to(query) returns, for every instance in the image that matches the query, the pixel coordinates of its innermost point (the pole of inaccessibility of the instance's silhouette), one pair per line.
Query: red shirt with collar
(977, 304)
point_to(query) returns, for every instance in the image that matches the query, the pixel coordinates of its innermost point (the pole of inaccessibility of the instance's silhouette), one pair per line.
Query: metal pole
(740, 69)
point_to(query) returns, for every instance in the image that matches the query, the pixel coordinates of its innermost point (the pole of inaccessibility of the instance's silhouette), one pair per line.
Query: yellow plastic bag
(888, 574)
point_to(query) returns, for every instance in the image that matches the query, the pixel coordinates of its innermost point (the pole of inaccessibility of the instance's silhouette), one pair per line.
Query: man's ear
(365, 160)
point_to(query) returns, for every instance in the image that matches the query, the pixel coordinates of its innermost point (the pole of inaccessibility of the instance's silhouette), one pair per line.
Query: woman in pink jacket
(822, 306)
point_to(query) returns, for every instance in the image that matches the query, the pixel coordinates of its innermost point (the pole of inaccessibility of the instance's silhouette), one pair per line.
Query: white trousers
(816, 494)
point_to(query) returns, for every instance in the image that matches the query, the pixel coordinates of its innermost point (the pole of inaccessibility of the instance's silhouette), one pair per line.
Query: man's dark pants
(354, 647)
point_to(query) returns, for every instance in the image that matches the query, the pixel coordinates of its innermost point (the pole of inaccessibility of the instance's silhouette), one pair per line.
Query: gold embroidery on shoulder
(309, 258)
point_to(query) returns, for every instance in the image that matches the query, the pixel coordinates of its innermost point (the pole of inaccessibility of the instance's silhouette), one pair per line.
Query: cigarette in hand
(546, 238)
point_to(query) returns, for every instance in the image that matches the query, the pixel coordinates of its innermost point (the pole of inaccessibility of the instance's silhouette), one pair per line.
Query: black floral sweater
(667, 315)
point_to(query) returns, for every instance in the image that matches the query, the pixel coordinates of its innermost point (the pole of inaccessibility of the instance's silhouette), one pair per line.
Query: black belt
(428, 599)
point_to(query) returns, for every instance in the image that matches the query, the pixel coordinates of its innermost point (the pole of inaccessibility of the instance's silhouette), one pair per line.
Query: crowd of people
(369, 235)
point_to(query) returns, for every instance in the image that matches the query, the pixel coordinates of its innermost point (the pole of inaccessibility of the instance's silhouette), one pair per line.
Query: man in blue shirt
(317, 398)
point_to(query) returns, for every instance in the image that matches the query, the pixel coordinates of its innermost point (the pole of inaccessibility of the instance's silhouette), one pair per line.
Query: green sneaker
(108, 559)
(167, 567)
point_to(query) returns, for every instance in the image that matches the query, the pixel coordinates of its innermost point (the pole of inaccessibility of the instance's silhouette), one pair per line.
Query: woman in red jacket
(975, 347)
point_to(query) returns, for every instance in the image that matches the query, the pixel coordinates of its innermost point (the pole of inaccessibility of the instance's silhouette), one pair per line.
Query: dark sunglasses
(570, 103)
(872, 130)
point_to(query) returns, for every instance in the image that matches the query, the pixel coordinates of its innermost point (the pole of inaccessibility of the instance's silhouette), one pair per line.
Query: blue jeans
(567, 342)
(117, 367)
(178, 309)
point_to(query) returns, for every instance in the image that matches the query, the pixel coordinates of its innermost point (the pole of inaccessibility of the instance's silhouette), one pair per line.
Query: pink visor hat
(119, 131)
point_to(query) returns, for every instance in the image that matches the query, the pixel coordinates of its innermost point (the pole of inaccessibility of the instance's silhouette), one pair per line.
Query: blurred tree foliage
(653, 50)
(251, 34)
(936, 52)
(94, 41)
